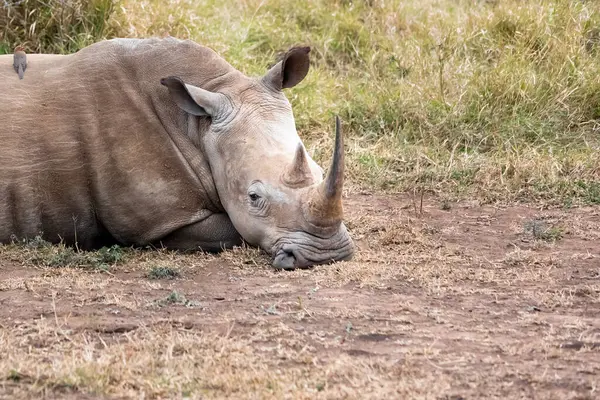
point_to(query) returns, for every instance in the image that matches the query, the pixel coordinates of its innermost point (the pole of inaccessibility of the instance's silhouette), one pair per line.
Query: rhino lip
(288, 257)
(284, 260)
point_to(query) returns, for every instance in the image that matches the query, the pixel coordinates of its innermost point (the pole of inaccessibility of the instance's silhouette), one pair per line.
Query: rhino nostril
(284, 259)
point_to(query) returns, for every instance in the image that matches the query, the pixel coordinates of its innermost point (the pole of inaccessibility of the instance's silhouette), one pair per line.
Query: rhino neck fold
(185, 139)
(195, 127)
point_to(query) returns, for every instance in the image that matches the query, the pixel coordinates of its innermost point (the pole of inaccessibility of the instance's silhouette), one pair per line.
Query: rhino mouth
(305, 250)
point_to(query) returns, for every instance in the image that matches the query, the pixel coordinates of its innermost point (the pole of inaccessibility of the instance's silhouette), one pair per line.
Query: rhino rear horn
(290, 71)
(298, 173)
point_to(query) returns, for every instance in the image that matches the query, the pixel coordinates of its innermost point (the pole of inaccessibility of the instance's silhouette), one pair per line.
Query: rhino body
(95, 150)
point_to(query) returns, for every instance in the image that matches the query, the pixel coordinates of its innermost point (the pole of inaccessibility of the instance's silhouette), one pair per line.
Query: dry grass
(487, 99)
(439, 304)
(162, 360)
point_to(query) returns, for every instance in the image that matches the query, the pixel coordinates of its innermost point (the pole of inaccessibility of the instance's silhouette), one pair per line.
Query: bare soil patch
(469, 302)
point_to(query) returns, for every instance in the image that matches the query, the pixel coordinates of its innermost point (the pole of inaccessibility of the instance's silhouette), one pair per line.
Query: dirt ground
(454, 301)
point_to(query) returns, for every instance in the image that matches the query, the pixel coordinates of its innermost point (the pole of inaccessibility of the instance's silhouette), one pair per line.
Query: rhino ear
(290, 71)
(192, 99)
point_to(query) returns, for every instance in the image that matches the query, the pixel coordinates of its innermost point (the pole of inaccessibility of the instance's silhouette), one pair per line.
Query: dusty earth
(451, 301)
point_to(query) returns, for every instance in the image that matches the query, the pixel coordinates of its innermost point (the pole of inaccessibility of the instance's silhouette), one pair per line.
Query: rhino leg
(213, 234)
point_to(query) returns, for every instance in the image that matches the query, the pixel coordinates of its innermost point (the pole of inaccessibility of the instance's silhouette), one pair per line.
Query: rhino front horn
(326, 201)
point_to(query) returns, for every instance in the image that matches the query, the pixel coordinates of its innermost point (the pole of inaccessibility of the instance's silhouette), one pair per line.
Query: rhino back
(88, 144)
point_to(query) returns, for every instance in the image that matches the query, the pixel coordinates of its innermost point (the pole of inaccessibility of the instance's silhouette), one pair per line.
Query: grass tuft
(162, 272)
(540, 230)
(176, 298)
(42, 253)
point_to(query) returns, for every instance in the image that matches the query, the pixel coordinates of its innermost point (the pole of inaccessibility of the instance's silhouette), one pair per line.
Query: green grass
(162, 272)
(55, 26)
(175, 298)
(540, 230)
(498, 100)
(42, 253)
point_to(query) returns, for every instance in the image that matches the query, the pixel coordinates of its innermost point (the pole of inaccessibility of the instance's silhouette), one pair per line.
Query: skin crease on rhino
(161, 141)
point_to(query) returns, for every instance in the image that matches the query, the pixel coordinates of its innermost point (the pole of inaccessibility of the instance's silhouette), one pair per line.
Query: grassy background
(497, 100)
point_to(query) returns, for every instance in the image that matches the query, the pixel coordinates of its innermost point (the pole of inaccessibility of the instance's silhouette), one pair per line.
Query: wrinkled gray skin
(161, 141)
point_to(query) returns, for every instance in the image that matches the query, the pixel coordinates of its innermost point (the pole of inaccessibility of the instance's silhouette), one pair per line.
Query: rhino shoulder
(168, 44)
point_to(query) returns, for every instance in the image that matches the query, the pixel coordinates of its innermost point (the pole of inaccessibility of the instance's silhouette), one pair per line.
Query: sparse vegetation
(445, 205)
(40, 252)
(163, 272)
(541, 230)
(457, 303)
(176, 298)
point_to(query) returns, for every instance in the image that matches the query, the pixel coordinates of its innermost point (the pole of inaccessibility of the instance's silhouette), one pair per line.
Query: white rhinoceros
(161, 141)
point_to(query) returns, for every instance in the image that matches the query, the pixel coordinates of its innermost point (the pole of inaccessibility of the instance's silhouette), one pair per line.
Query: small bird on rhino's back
(20, 61)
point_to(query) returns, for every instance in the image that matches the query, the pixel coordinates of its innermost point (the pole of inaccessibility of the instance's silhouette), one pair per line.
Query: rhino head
(272, 190)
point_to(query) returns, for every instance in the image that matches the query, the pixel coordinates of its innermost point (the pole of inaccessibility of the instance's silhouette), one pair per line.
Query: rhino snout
(298, 254)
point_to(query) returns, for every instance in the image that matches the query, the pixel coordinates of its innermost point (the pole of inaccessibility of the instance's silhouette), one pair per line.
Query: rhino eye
(253, 196)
